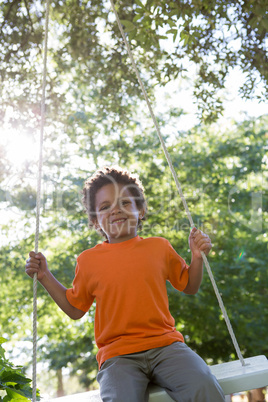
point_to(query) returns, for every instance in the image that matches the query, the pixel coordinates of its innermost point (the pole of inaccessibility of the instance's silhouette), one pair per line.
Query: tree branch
(8, 12)
(29, 15)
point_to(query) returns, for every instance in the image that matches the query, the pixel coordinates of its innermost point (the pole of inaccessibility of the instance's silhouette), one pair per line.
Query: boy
(126, 275)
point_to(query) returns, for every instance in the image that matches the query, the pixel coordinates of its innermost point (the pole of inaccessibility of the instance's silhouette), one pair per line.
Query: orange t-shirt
(128, 282)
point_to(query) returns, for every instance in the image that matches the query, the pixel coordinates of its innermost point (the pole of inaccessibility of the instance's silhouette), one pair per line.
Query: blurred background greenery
(96, 116)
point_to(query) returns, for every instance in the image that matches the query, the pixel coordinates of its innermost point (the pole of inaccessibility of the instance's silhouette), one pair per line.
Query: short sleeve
(79, 296)
(178, 274)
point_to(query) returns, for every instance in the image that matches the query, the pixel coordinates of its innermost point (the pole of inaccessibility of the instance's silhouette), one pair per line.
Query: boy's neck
(121, 239)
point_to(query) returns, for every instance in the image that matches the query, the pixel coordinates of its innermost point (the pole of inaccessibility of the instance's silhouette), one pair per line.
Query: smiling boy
(116, 213)
(126, 275)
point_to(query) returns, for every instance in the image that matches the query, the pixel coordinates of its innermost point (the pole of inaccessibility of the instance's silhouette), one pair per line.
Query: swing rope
(38, 196)
(220, 301)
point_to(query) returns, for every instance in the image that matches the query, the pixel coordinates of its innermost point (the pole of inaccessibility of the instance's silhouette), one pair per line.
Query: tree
(215, 169)
(88, 52)
(229, 198)
(94, 117)
(214, 36)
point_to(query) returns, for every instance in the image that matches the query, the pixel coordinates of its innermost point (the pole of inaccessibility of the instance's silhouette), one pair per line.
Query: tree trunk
(60, 390)
(256, 395)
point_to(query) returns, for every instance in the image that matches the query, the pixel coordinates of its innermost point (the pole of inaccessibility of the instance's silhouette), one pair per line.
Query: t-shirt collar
(122, 244)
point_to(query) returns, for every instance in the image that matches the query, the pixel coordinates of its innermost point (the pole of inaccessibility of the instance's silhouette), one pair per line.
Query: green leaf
(15, 395)
(184, 37)
(14, 378)
(129, 26)
(140, 4)
(264, 23)
(172, 31)
(171, 23)
(173, 12)
(137, 18)
(2, 352)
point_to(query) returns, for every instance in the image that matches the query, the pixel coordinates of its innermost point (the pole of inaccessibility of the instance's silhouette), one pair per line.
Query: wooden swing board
(232, 376)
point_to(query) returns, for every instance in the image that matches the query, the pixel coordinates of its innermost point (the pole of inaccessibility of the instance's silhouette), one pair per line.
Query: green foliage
(89, 61)
(227, 171)
(216, 36)
(95, 117)
(13, 383)
(223, 173)
(227, 193)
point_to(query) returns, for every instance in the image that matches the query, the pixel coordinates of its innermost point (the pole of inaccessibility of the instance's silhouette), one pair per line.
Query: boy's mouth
(119, 220)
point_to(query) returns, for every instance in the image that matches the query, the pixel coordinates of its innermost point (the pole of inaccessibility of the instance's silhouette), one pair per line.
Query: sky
(180, 94)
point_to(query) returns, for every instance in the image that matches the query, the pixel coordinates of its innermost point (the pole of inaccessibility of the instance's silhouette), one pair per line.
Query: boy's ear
(96, 224)
(141, 213)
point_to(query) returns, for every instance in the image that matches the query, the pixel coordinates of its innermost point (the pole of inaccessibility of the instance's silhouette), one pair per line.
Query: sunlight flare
(19, 147)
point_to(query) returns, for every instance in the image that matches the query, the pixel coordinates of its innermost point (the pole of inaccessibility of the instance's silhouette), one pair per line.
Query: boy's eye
(104, 207)
(125, 202)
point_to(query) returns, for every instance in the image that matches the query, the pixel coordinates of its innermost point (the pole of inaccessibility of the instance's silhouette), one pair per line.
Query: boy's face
(116, 212)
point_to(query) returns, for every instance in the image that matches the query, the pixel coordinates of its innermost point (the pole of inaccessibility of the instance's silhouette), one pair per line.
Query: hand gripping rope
(224, 313)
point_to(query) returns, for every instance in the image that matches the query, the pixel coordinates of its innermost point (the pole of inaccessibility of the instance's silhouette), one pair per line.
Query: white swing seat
(232, 376)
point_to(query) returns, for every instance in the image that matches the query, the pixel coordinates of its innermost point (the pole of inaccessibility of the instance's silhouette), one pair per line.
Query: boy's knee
(208, 388)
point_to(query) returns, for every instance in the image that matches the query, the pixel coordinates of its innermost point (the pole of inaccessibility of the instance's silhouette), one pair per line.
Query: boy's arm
(37, 263)
(195, 276)
(198, 241)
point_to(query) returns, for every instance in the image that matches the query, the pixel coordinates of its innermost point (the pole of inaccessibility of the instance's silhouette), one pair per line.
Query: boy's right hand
(36, 263)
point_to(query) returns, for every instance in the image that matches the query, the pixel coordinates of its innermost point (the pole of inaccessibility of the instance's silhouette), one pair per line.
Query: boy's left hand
(199, 241)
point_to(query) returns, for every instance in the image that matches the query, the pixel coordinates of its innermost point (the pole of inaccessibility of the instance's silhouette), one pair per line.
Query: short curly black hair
(108, 175)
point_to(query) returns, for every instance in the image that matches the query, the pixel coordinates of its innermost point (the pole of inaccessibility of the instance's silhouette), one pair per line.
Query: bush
(14, 386)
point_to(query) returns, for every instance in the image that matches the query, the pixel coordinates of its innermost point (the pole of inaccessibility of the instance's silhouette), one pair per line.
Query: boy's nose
(116, 208)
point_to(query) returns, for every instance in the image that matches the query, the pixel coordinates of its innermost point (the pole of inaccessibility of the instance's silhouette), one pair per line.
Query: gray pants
(176, 368)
